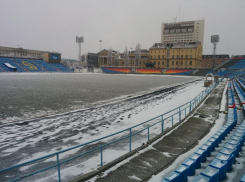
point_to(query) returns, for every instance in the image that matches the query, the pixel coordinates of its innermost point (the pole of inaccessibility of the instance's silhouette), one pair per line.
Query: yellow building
(179, 55)
(132, 61)
(104, 60)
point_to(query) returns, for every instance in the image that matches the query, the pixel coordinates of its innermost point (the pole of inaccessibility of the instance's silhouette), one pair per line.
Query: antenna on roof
(175, 19)
(179, 14)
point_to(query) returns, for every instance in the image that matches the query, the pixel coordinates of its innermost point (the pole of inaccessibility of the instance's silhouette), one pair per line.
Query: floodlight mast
(79, 41)
(214, 41)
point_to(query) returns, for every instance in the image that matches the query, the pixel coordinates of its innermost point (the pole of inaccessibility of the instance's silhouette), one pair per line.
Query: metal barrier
(184, 109)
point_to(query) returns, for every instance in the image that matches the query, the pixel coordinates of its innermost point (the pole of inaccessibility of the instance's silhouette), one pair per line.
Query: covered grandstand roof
(177, 45)
(216, 56)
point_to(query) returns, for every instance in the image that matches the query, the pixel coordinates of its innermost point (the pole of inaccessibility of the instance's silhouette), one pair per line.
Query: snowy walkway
(163, 152)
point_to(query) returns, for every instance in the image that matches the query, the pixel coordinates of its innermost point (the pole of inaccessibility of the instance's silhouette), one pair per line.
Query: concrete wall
(84, 70)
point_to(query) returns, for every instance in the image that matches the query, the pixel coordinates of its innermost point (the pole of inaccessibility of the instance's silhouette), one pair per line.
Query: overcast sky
(52, 25)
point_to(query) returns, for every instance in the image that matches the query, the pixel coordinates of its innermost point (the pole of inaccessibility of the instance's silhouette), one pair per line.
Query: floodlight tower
(214, 41)
(99, 60)
(79, 41)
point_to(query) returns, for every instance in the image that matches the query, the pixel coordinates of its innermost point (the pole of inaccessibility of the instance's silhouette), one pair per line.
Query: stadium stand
(238, 65)
(225, 144)
(223, 73)
(179, 71)
(203, 72)
(45, 66)
(230, 63)
(148, 71)
(29, 65)
(116, 70)
(60, 67)
(7, 69)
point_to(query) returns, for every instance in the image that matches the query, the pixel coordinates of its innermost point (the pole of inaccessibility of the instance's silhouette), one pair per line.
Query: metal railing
(128, 133)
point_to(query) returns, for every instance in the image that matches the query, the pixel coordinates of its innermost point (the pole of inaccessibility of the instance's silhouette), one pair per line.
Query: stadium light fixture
(79, 41)
(214, 40)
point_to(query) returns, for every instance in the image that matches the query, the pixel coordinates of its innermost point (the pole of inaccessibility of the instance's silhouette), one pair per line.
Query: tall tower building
(188, 31)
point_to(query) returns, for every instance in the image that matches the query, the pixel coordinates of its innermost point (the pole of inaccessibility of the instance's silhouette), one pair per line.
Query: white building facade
(188, 31)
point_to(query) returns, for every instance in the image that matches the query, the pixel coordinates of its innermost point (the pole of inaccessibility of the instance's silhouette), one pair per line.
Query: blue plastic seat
(221, 166)
(173, 177)
(183, 173)
(207, 148)
(218, 138)
(191, 164)
(236, 142)
(228, 158)
(215, 141)
(233, 147)
(228, 151)
(201, 178)
(211, 144)
(222, 134)
(197, 158)
(203, 154)
(212, 173)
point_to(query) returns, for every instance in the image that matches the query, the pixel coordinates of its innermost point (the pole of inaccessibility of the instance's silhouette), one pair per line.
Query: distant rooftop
(177, 45)
(216, 56)
(22, 49)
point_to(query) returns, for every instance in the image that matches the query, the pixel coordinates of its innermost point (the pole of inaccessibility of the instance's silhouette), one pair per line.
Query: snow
(218, 124)
(135, 177)
(9, 65)
(166, 154)
(156, 106)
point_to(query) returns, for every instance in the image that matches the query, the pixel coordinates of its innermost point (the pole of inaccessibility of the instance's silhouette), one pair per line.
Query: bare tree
(126, 57)
(110, 56)
(137, 54)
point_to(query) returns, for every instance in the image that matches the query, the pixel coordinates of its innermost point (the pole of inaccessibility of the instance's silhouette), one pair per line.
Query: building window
(181, 63)
(158, 62)
(186, 56)
(162, 56)
(191, 56)
(190, 62)
(151, 56)
(173, 56)
(172, 62)
(158, 56)
(162, 62)
(177, 63)
(185, 63)
(181, 56)
(177, 56)
(155, 57)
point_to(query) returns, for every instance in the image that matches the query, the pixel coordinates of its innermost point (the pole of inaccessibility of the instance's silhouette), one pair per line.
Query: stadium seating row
(148, 71)
(223, 162)
(30, 65)
(238, 65)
